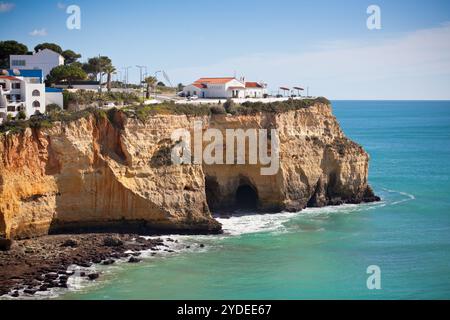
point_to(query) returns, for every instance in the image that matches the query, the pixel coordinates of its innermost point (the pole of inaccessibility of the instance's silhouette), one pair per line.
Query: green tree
(151, 83)
(109, 70)
(51, 46)
(180, 87)
(66, 74)
(70, 56)
(8, 48)
(96, 66)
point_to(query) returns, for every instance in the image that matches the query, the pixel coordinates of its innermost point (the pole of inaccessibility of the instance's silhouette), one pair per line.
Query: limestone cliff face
(115, 174)
(319, 166)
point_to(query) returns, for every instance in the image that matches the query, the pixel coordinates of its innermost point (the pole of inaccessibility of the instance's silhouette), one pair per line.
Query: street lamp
(126, 77)
(156, 85)
(141, 80)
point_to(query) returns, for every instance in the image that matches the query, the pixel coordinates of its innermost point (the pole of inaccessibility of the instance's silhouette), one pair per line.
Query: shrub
(229, 106)
(53, 107)
(21, 115)
(218, 110)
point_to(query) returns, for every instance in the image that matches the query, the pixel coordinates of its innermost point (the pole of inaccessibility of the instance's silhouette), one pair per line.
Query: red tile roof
(9, 78)
(199, 85)
(214, 80)
(253, 85)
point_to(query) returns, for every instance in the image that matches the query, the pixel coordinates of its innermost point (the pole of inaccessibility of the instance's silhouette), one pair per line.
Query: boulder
(5, 244)
(70, 243)
(93, 276)
(134, 260)
(112, 242)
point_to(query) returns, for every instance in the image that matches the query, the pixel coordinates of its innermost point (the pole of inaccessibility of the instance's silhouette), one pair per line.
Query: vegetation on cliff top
(144, 112)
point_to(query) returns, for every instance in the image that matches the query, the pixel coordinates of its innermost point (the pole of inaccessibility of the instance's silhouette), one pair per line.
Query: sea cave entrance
(212, 191)
(246, 197)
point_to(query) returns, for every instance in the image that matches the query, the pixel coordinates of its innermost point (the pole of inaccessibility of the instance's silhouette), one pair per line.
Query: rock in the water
(43, 288)
(93, 276)
(134, 260)
(29, 291)
(51, 276)
(108, 262)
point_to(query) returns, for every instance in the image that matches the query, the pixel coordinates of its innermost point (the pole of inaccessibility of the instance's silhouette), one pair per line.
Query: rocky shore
(37, 265)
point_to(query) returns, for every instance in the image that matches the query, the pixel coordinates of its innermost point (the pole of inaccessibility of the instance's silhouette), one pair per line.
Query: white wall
(44, 60)
(216, 91)
(54, 97)
(30, 99)
(255, 92)
(77, 87)
(192, 90)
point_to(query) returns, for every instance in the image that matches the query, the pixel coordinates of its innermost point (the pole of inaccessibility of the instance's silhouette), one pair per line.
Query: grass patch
(144, 112)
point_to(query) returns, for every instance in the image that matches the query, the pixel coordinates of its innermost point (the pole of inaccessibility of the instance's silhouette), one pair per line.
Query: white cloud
(39, 32)
(61, 5)
(411, 66)
(6, 6)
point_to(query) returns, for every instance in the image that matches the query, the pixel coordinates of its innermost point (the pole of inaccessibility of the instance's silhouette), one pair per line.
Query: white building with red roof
(224, 88)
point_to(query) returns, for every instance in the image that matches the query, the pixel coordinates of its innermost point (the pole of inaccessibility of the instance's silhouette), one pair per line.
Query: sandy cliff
(115, 174)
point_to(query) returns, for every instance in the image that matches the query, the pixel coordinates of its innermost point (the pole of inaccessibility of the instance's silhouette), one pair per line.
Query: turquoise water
(324, 253)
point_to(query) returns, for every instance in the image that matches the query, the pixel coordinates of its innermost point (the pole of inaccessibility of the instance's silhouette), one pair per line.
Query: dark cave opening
(246, 197)
(212, 191)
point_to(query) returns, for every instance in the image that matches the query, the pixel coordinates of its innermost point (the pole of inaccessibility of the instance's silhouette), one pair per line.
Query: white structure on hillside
(224, 88)
(24, 90)
(44, 60)
(87, 85)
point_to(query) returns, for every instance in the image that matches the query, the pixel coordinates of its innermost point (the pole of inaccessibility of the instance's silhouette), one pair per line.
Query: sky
(324, 45)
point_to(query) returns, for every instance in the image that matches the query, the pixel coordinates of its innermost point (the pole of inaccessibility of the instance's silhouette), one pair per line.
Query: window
(18, 63)
(36, 93)
(13, 97)
(36, 104)
(11, 109)
(16, 85)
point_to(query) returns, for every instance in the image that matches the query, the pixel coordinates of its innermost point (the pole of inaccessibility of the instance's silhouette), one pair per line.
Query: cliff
(114, 173)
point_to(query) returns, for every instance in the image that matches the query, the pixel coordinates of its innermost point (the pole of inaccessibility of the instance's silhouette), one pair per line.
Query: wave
(235, 226)
(409, 197)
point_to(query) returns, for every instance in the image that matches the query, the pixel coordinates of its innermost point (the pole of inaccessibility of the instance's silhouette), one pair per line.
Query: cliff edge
(114, 173)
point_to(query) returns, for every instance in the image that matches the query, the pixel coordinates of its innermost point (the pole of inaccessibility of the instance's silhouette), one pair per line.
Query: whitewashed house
(24, 90)
(224, 88)
(44, 60)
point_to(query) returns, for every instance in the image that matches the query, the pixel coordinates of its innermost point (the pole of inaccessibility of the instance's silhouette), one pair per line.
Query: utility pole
(99, 70)
(156, 85)
(141, 81)
(126, 77)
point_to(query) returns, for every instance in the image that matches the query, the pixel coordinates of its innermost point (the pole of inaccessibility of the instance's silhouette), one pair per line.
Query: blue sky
(321, 44)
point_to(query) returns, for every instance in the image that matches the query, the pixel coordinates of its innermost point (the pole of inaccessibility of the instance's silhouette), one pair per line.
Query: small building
(44, 60)
(224, 88)
(24, 90)
(255, 90)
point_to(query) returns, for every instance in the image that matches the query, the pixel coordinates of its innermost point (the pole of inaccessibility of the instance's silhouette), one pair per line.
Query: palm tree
(151, 82)
(109, 70)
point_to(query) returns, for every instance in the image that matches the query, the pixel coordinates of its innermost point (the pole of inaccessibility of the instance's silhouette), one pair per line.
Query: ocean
(323, 253)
